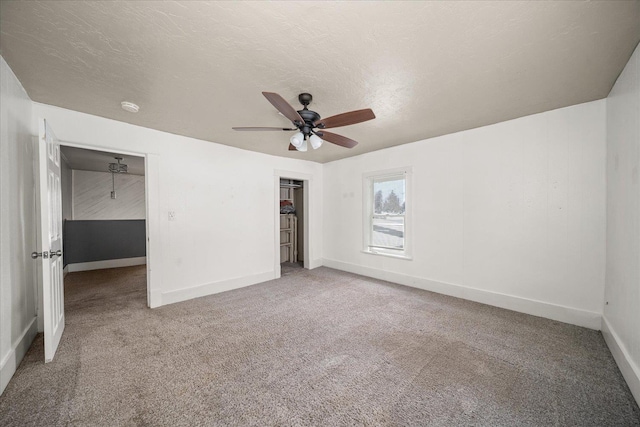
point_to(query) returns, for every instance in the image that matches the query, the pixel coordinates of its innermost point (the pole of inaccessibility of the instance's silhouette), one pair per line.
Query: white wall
(18, 298)
(511, 214)
(92, 196)
(621, 320)
(223, 235)
(66, 183)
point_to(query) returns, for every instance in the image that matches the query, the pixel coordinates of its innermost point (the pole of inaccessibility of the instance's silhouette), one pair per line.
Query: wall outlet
(172, 215)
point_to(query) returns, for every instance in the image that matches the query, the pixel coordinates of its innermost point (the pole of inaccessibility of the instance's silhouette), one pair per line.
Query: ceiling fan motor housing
(309, 117)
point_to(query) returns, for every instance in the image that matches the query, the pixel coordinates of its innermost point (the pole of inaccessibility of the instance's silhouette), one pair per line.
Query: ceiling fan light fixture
(297, 140)
(303, 147)
(316, 141)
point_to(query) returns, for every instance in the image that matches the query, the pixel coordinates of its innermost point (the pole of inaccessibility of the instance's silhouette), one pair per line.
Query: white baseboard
(65, 271)
(574, 316)
(179, 295)
(19, 348)
(315, 263)
(629, 369)
(155, 299)
(110, 263)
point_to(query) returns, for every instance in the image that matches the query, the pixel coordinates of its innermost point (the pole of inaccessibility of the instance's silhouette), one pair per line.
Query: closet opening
(292, 224)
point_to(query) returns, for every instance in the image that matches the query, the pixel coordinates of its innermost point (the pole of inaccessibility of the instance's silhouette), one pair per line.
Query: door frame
(152, 174)
(306, 215)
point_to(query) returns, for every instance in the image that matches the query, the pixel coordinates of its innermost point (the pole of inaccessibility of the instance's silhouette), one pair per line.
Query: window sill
(403, 256)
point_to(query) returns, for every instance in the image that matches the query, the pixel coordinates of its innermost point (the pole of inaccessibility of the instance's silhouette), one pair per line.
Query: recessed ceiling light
(129, 106)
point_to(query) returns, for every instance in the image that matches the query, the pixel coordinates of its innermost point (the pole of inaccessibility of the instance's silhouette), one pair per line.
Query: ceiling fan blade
(284, 107)
(261, 128)
(337, 139)
(345, 119)
(292, 148)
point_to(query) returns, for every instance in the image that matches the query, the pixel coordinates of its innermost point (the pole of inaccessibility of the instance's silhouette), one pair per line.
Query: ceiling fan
(310, 126)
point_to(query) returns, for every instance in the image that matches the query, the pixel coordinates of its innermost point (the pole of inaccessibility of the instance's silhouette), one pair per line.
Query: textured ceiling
(425, 68)
(98, 161)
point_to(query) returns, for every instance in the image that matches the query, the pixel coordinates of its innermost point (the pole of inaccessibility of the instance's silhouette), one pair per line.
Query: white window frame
(367, 212)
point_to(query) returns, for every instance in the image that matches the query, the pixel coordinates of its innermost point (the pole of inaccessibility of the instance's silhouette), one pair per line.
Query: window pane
(388, 231)
(389, 196)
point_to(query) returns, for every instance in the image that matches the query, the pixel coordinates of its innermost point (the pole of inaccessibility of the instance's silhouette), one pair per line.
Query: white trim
(388, 172)
(110, 263)
(153, 231)
(574, 316)
(64, 159)
(276, 227)
(152, 213)
(73, 186)
(65, 271)
(368, 179)
(185, 294)
(103, 148)
(315, 263)
(19, 348)
(387, 254)
(629, 369)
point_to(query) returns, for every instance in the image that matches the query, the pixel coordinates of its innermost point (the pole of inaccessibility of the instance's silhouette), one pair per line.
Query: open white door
(50, 239)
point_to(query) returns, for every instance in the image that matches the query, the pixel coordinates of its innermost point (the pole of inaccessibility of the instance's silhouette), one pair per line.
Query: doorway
(291, 221)
(49, 245)
(103, 212)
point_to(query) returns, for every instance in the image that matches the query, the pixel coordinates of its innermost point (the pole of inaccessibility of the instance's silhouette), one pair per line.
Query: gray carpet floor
(318, 347)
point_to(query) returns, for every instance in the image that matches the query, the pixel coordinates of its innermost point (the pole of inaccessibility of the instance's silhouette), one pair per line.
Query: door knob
(43, 254)
(56, 253)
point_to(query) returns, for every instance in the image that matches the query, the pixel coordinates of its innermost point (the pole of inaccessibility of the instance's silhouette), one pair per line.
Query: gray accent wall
(87, 241)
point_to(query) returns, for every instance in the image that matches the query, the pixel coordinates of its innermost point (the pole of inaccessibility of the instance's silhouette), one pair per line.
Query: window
(386, 212)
